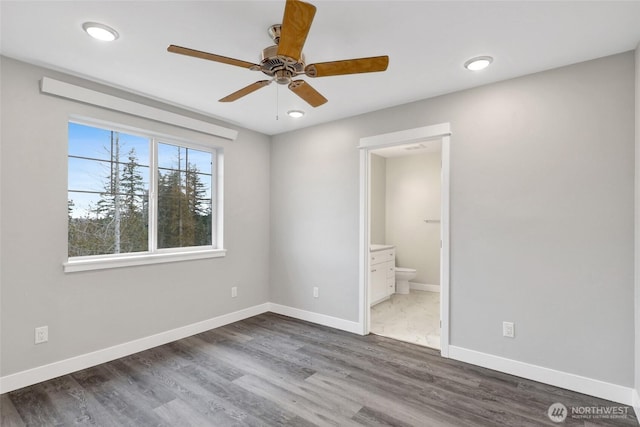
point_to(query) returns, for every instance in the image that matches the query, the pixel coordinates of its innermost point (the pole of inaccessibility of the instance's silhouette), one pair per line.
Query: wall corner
(637, 230)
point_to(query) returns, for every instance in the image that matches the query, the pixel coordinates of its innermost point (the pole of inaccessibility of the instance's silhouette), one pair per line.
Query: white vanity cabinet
(382, 274)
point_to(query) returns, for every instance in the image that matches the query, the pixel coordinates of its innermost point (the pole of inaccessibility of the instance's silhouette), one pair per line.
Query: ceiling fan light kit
(284, 61)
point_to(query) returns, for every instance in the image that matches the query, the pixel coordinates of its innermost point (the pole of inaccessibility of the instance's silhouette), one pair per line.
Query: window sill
(101, 263)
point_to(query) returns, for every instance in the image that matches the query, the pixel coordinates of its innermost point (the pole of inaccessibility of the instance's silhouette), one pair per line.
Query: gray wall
(413, 195)
(89, 311)
(378, 199)
(542, 215)
(314, 220)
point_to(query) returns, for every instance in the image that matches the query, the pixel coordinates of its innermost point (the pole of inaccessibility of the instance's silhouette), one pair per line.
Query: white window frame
(162, 255)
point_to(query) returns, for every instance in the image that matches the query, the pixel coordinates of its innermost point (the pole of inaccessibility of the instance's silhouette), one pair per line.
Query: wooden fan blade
(305, 91)
(296, 23)
(210, 56)
(348, 66)
(245, 91)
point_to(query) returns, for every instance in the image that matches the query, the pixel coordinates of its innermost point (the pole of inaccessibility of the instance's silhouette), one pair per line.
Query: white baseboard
(321, 319)
(636, 403)
(590, 386)
(424, 287)
(77, 363)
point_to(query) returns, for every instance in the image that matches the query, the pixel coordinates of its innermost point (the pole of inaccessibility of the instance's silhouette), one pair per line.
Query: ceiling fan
(284, 61)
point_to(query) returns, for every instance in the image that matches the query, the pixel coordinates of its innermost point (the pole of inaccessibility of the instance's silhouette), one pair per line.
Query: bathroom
(405, 230)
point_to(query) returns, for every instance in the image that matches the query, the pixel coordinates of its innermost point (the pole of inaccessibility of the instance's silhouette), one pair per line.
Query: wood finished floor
(272, 370)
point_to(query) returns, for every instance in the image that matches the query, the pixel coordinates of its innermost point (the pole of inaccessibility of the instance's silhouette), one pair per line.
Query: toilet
(403, 275)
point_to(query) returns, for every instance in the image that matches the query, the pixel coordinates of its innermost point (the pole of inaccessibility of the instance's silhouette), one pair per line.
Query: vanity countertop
(375, 248)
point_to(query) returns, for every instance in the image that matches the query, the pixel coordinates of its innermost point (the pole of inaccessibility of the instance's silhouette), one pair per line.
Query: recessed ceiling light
(296, 114)
(478, 63)
(100, 31)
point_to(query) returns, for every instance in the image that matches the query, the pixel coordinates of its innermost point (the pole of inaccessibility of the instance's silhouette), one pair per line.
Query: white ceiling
(427, 43)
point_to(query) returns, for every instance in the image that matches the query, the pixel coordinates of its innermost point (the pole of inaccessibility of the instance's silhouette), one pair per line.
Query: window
(133, 193)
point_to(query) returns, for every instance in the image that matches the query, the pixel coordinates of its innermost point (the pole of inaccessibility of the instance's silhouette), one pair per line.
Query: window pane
(83, 205)
(184, 197)
(87, 175)
(96, 176)
(108, 198)
(95, 143)
(96, 230)
(88, 141)
(171, 157)
(200, 160)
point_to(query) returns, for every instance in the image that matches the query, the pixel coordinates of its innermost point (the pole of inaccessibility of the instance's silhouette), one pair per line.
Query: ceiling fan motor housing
(282, 69)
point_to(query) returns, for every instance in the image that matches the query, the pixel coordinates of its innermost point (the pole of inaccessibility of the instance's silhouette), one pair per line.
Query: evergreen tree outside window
(136, 194)
(184, 197)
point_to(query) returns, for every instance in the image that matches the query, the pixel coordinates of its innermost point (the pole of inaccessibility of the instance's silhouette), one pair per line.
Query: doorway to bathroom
(405, 239)
(404, 221)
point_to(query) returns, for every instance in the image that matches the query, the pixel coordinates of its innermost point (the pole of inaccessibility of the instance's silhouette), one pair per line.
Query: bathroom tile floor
(413, 317)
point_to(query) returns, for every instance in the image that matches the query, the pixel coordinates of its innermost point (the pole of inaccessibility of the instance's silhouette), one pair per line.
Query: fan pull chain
(277, 102)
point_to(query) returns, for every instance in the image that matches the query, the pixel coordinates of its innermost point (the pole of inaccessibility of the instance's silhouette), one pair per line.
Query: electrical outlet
(234, 292)
(42, 334)
(508, 330)
(315, 292)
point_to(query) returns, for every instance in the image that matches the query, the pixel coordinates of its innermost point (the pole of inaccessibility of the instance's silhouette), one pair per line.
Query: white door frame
(408, 136)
